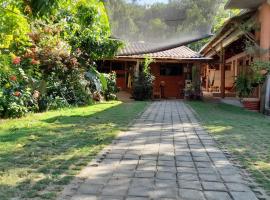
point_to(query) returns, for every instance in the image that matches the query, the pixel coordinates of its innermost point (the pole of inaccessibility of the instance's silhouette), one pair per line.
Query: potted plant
(189, 92)
(245, 86)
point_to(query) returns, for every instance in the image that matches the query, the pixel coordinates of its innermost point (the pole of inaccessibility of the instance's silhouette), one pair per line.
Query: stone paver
(166, 154)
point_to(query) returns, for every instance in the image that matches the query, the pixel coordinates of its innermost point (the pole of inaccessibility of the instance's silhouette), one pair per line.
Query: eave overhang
(244, 4)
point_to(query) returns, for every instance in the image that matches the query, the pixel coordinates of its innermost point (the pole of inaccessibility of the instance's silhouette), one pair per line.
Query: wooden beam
(126, 74)
(207, 77)
(227, 41)
(236, 57)
(222, 70)
(218, 41)
(169, 60)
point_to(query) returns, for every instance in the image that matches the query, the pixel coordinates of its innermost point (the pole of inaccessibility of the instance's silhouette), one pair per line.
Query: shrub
(143, 84)
(244, 85)
(57, 103)
(15, 95)
(15, 102)
(52, 61)
(110, 92)
(68, 84)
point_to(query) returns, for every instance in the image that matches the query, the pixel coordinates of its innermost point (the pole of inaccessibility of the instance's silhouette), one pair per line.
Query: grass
(243, 133)
(41, 153)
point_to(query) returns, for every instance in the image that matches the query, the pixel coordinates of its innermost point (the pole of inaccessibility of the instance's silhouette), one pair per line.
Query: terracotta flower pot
(251, 104)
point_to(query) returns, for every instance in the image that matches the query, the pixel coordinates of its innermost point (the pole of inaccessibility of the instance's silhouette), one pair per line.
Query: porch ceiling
(244, 4)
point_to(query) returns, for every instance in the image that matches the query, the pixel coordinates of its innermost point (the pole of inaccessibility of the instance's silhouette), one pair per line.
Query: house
(229, 49)
(172, 68)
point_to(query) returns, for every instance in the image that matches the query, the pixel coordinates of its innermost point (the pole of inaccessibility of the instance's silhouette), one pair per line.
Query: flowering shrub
(15, 99)
(110, 92)
(47, 67)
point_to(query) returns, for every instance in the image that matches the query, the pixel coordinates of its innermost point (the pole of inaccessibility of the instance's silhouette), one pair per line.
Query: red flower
(17, 94)
(16, 60)
(13, 78)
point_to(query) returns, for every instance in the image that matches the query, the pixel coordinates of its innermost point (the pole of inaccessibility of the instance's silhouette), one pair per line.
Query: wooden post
(264, 16)
(207, 78)
(126, 74)
(137, 68)
(222, 70)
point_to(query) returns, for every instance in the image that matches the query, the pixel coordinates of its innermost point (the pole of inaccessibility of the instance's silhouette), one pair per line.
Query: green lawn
(245, 134)
(42, 152)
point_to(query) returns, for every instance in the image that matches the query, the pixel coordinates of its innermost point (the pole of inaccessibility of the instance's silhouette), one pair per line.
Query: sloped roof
(134, 48)
(178, 53)
(244, 4)
(244, 15)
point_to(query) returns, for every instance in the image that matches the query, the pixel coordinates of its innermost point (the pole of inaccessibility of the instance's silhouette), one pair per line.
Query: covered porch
(173, 70)
(231, 58)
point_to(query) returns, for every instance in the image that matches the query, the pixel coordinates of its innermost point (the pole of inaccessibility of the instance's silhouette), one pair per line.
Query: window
(171, 69)
(118, 66)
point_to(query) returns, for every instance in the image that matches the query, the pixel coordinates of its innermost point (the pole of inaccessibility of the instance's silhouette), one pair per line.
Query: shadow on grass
(45, 158)
(244, 133)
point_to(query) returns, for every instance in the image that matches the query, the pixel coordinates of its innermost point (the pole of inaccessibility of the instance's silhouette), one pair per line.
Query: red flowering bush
(15, 94)
(16, 60)
(15, 98)
(49, 65)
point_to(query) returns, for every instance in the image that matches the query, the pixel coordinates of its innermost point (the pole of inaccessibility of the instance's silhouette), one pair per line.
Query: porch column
(207, 78)
(264, 17)
(137, 68)
(222, 71)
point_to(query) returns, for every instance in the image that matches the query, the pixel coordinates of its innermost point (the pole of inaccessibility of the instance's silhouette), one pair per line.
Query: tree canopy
(48, 50)
(160, 21)
(219, 19)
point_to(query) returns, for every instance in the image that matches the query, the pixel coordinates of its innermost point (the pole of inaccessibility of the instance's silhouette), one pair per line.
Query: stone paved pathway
(166, 154)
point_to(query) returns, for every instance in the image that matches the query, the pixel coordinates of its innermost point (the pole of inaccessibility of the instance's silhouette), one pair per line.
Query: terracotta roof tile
(182, 52)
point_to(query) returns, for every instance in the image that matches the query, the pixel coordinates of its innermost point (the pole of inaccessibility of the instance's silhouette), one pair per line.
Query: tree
(220, 18)
(89, 31)
(47, 47)
(160, 21)
(13, 27)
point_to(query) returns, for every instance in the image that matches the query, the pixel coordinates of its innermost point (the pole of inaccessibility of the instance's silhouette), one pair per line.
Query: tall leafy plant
(244, 86)
(143, 84)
